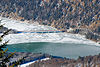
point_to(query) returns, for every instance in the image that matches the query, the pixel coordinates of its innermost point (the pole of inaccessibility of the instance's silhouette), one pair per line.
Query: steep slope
(79, 15)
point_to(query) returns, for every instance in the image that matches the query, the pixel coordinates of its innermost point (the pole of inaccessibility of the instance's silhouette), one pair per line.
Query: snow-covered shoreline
(39, 37)
(27, 64)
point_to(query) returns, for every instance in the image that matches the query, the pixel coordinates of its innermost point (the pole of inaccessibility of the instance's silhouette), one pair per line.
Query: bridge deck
(46, 31)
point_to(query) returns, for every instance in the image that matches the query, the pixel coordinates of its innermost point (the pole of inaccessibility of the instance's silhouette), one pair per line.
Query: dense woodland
(88, 61)
(83, 16)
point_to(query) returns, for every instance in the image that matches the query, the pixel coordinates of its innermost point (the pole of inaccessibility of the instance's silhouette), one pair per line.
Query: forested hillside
(75, 16)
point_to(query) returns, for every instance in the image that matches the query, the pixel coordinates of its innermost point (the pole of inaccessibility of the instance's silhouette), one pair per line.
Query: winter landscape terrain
(32, 33)
(51, 33)
(28, 36)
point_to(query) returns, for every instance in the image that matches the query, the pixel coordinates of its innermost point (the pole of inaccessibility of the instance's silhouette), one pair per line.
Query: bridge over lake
(41, 31)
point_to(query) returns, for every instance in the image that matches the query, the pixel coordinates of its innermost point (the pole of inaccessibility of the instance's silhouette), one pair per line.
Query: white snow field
(27, 64)
(40, 37)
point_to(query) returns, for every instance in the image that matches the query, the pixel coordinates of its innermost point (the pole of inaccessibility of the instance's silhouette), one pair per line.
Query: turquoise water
(57, 49)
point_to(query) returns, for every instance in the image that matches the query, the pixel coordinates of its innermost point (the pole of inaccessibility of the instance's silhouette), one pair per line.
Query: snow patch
(40, 37)
(27, 64)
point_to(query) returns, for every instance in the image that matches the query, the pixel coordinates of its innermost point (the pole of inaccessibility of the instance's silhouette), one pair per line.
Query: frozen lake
(58, 44)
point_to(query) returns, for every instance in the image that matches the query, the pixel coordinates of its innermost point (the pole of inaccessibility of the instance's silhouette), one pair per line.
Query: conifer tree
(4, 55)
